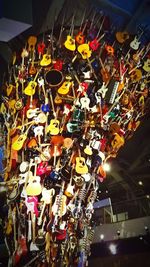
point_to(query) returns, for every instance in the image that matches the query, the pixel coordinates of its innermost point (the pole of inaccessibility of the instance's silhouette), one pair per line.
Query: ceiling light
(113, 249)
(148, 196)
(140, 183)
(101, 236)
(106, 167)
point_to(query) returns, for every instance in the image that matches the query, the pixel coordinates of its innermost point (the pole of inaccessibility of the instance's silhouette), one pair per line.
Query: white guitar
(85, 102)
(135, 43)
(101, 92)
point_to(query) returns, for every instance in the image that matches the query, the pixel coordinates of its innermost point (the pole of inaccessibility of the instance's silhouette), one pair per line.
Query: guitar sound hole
(54, 77)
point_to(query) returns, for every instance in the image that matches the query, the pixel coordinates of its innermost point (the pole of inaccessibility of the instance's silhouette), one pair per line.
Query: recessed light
(140, 183)
(101, 236)
(148, 196)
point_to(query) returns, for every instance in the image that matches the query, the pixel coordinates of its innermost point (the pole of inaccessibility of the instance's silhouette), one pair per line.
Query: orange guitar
(122, 36)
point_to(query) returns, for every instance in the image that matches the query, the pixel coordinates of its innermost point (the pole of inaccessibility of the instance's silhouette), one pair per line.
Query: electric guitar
(146, 65)
(135, 43)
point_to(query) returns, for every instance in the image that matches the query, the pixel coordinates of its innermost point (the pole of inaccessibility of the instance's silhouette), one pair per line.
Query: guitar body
(94, 44)
(136, 75)
(46, 60)
(65, 88)
(53, 128)
(81, 167)
(40, 48)
(80, 38)
(58, 65)
(32, 40)
(117, 142)
(34, 187)
(135, 44)
(32, 69)
(85, 51)
(32, 112)
(69, 192)
(122, 37)
(70, 43)
(110, 50)
(146, 65)
(30, 89)
(18, 144)
(73, 127)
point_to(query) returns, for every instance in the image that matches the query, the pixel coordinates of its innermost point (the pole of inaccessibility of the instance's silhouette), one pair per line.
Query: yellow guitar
(53, 128)
(81, 167)
(46, 59)
(65, 88)
(70, 43)
(30, 88)
(84, 50)
(18, 143)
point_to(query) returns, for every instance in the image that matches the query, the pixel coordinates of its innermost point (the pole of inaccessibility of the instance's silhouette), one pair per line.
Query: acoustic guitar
(122, 36)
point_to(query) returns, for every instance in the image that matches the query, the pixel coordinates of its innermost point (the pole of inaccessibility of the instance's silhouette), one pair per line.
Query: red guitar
(58, 65)
(40, 48)
(94, 44)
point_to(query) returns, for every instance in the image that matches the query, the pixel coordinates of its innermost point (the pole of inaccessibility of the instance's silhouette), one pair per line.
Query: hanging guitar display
(71, 104)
